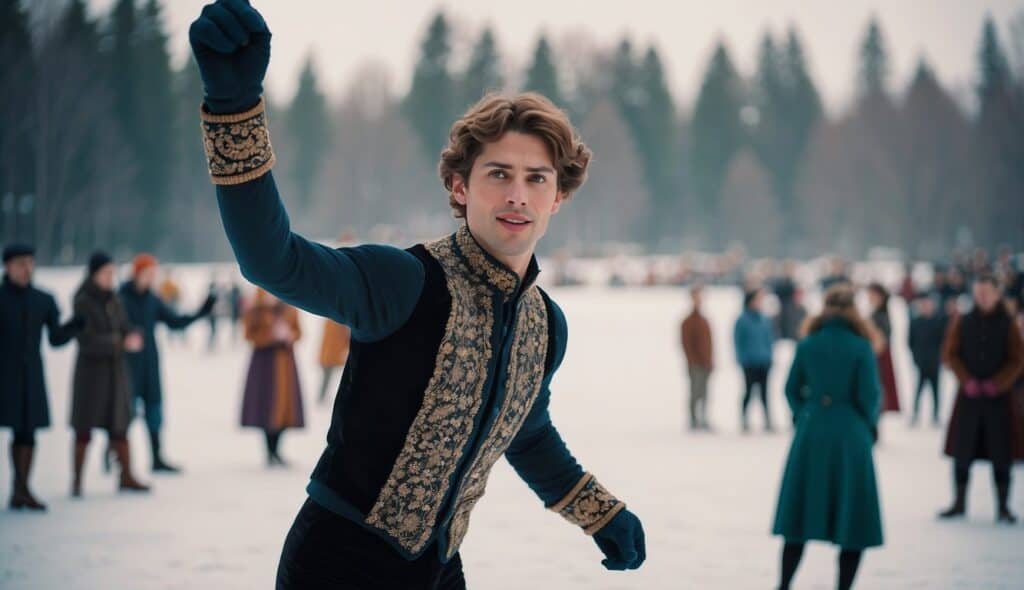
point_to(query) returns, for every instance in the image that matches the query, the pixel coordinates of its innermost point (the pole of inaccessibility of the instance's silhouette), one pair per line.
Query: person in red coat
(879, 298)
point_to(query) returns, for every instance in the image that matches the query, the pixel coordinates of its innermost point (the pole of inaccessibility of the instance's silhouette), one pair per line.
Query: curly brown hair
(493, 116)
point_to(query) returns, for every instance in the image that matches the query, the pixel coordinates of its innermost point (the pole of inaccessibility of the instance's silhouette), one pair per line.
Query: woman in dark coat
(273, 397)
(879, 298)
(24, 310)
(828, 491)
(101, 390)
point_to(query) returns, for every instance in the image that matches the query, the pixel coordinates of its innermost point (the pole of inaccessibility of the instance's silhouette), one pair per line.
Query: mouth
(514, 222)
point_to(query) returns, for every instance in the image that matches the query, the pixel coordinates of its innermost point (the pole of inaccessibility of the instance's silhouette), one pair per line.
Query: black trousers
(756, 376)
(324, 550)
(929, 376)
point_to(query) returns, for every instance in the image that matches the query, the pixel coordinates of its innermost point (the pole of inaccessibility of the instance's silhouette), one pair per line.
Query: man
(24, 310)
(453, 344)
(144, 309)
(696, 338)
(927, 329)
(754, 338)
(983, 348)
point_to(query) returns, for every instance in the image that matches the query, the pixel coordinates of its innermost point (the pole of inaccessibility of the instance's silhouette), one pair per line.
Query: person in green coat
(829, 492)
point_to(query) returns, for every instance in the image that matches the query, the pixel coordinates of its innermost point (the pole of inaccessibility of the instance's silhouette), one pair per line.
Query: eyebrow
(503, 166)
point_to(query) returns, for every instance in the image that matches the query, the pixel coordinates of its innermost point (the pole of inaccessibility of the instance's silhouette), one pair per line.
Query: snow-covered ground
(706, 500)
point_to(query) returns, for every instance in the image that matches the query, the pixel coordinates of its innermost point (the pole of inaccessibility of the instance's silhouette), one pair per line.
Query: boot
(959, 507)
(1004, 516)
(21, 457)
(128, 483)
(76, 484)
(158, 462)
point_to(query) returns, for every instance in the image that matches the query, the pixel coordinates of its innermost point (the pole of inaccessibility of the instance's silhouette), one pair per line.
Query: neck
(518, 264)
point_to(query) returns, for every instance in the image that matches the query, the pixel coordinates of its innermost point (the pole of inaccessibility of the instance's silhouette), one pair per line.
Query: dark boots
(159, 465)
(959, 507)
(21, 497)
(79, 455)
(128, 483)
(1004, 516)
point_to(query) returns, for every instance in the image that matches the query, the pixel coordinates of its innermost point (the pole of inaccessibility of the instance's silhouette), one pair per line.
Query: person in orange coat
(273, 396)
(333, 352)
(695, 334)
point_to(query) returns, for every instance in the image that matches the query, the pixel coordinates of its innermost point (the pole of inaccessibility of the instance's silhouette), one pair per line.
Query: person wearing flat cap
(144, 310)
(24, 311)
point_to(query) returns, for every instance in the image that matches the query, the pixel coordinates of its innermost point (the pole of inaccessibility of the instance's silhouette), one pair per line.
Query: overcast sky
(345, 35)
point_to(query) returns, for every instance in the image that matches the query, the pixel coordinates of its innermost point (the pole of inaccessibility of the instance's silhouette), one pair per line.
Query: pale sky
(345, 35)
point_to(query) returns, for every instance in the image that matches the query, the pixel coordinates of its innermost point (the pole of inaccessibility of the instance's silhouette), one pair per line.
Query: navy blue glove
(231, 44)
(622, 542)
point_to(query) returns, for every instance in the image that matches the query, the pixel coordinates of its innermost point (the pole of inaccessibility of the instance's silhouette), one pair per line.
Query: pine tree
(656, 139)
(17, 79)
(430, 104)
(716, 133)
(308, 124)
(542, 75)
(873, 76)
(483, 74)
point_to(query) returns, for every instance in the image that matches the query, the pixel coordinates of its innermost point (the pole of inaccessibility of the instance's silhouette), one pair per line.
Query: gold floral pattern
(237, 145)
(525, 377)
(588, 505)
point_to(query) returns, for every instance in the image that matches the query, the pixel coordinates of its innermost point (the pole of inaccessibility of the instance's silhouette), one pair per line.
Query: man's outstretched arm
(373, 289)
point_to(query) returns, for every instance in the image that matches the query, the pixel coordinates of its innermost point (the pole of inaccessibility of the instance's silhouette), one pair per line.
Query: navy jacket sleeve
(538, 453)
(58, 334)
(168, 316)
(373, 289)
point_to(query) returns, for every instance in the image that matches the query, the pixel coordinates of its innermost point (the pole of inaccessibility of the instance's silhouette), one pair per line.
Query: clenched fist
(231, 44)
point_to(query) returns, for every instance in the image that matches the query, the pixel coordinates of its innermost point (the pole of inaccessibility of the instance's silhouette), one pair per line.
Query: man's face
(19, 269)
(104, 277)
(145, 279)
(511, 194)
(986, 296)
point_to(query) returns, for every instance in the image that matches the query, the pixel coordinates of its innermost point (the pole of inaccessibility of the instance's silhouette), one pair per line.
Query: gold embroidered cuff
(588, 505)
(237, 145)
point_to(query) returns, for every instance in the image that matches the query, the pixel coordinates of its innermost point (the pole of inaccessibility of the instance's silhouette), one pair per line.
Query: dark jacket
(23, 313)
(101, 391)
(143, 311)
(925, 340)
(449, 369)
(753, 337)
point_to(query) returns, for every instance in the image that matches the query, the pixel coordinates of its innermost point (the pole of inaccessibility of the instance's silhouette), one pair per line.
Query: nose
(516, 194)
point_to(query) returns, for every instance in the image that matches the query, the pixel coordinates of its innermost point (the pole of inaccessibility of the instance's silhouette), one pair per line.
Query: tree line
(100, 144)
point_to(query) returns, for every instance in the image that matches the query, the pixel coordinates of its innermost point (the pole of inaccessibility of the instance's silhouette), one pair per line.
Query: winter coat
(925, 340)
(829, 491)
(144, 310)
(753, 336)
(886, 368)
(696, 339)
(101, 390)
(273, 397)
(23, 313)
(335, 344)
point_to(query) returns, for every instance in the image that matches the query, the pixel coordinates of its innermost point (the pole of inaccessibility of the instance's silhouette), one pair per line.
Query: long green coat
(828, 490)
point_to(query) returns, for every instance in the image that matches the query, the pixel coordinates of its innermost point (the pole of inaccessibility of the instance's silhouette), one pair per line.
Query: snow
(706, 500)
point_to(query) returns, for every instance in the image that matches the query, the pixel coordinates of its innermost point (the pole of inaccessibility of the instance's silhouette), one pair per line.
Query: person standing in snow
(24, 408)
(101, 391)
(453, 344)
(878, 296)
(754, 338)
(927, 331)
(144, 310)
(697, 347)
(333, 353)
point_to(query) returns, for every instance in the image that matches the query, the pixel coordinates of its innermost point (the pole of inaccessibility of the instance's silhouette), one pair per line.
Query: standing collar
(489, 269)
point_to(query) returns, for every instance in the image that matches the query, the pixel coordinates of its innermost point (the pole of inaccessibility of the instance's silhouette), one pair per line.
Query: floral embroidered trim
(525, 377)
(237, 145)
(588, 505)
(484, 265)
(409, 502)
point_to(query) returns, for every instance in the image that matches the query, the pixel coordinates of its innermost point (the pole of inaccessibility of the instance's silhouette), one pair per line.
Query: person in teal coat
(829, 492)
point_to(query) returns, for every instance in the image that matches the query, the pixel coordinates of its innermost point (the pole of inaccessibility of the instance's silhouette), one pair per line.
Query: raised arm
(57, 333)
(373, 289)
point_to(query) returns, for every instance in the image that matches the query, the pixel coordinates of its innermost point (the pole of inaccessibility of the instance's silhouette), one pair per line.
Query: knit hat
(15, 250)
(142, 262)
(98, 260)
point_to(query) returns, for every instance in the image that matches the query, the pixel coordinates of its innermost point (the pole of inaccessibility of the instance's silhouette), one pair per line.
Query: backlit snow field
(706, 501)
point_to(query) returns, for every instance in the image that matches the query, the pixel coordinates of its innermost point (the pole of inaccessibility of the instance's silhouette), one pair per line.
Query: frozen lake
(706, 501)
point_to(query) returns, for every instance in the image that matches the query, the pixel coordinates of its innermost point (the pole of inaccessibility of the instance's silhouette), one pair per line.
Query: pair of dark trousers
(756, 376)
(324, 550)
(929, 376)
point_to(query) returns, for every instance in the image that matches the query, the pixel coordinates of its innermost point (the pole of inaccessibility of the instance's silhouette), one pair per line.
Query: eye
(538, 178)
(498, 173)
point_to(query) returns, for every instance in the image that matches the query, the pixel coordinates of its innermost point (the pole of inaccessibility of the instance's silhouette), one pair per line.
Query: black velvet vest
(983, 342)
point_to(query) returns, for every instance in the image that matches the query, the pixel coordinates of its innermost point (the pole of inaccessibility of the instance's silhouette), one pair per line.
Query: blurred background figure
(699, 353)
(235, 303)
(333, 353)
(984, 350)
(927, 330)
(24, 407)
(212, 290)
(829, 490)
(754, 338)
(272, 400)
(170, 293)
(791, 310)
(144, 310)
(878, 298)
(101, 391)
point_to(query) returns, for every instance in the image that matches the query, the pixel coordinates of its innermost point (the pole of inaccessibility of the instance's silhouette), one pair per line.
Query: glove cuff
(588, 505)
(237, 145)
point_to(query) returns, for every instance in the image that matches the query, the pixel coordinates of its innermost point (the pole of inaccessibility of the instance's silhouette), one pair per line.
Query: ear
(559, 197)
(459, 187)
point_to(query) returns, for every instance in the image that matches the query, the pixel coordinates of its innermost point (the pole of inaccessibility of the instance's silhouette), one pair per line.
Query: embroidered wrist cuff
(588, 505)
(237, 145)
